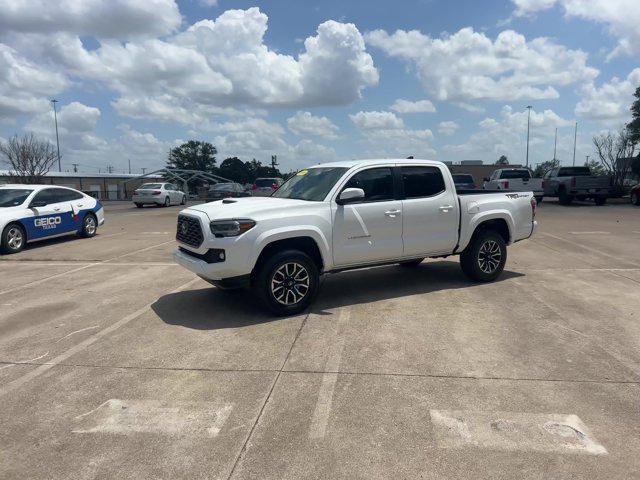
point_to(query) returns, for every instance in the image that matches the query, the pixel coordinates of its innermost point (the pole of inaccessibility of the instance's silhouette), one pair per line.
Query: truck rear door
(429, 211)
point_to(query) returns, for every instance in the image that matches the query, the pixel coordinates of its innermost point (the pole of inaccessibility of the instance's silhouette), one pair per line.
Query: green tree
(503, 160)
(634, 125)
(193, 155)
(544, 167)
(236, 170)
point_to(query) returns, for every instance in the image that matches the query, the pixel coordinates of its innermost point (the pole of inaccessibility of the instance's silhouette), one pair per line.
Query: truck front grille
(189, 231)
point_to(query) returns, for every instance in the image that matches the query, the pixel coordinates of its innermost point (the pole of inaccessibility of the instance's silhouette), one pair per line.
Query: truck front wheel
(484, 258)
(287, 282)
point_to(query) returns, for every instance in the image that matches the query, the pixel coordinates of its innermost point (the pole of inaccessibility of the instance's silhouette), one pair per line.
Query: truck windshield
(13, 197)
(312, 185)
(574, 172)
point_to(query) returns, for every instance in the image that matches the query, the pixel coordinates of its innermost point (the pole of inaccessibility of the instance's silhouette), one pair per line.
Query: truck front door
(370, 230)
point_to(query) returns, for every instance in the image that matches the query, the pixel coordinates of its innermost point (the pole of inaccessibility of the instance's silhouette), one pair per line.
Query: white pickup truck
(346, 215)
(515, 180)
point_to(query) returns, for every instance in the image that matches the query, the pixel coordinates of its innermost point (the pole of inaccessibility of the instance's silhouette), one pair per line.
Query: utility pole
(529, 107)
(587, 161)
(144, 170)
(129, 166)
(55, 117)
(575, 138)
(75, 167)
(555, 144)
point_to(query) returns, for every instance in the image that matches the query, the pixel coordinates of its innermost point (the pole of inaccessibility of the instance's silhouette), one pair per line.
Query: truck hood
(254, 208)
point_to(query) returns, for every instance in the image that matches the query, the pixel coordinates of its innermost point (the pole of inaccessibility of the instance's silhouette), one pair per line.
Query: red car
(635, 195)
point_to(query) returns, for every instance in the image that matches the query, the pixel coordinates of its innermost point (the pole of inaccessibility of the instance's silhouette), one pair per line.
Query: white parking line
(590, 249)
(325, 395)
(590, 233)
(9, 387)
(510, 431)
(124, 417)
(84, 267)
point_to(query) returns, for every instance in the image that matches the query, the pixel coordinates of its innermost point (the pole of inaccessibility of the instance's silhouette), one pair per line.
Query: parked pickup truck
(346, 215)
(568, 183)
(515, 180)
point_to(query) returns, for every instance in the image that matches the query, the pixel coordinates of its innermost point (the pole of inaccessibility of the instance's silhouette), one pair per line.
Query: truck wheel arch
(303, 243)
(498, 223)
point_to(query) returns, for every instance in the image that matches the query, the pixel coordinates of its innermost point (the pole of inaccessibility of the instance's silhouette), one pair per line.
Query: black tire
(539, 199)
(13, 239)
(273, 269)
(167, 202)
(480, 261)
(565, 198)
(139, 205)
(89, 226)
(184, 200)
(600, 200)
(412, 263)
(635, 198)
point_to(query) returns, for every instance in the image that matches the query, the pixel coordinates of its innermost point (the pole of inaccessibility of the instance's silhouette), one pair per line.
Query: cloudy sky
(315, 81)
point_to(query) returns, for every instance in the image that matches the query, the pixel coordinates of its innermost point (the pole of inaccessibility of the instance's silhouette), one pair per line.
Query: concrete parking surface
(116, 363)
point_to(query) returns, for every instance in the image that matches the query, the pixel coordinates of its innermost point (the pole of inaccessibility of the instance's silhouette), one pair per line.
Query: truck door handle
(392, 213)
(446, 208)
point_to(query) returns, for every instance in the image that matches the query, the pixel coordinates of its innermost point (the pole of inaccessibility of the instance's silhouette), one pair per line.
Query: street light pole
(555, 144)
(575, 138)
(55, 116)
(528, 122)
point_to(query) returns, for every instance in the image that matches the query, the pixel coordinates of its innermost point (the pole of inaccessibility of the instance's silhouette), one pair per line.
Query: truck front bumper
(215, 272)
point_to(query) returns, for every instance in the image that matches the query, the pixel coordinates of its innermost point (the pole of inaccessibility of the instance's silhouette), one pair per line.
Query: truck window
(511, 174)
(377, 184)
(422, 181)
(311, 185)
(574, 172)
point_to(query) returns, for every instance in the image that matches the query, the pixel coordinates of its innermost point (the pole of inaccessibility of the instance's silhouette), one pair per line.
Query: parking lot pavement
(116, 363)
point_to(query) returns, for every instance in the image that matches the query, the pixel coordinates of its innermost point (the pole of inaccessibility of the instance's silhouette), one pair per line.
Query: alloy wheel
(489, 256)
(14, 238)
(290, 283)
(90, 225)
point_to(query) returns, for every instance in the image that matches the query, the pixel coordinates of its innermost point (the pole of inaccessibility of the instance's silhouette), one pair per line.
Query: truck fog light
(221, 255)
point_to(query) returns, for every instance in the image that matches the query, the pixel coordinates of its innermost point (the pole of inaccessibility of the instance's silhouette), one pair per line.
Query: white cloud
(506, 135)
(621, 17)
(407, 106)
(385, 134)
(611, 101)
(99, 18)
(303, 123)
(448, 127)
(307, 153)
(468, 65)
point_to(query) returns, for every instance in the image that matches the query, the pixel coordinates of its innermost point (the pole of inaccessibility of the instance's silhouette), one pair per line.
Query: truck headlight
(231, 228)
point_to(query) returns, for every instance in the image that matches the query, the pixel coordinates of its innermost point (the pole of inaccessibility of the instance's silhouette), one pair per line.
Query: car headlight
(231, 228)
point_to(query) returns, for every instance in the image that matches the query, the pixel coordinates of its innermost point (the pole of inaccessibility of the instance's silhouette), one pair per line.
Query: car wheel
(287, 282)
(167, 202)
(89, 226)
(412, 263)
(184, 200)
(635, 198)
(484, 258)
(139, 205)
(13, 239)
(600, 200)
(564, 198)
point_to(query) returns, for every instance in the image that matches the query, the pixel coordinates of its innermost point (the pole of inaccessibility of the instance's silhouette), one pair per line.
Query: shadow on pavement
(212, 308)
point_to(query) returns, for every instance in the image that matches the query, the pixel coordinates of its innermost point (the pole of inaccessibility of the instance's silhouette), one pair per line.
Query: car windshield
(524, 174)
(462, 179)
(13, 197)
(151, 185)
(225, 187)
(312, 185)
(574, 172)
(266, 182)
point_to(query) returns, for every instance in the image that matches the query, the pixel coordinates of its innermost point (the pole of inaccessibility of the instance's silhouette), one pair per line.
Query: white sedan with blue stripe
(34, 212)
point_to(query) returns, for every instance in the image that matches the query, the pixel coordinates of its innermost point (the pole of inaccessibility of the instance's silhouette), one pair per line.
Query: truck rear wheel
(484, 258)
(287, 282)
(564, 197)
(600, 200)
(635, 198)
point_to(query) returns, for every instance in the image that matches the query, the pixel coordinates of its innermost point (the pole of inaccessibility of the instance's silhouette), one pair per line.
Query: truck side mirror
(350, 195)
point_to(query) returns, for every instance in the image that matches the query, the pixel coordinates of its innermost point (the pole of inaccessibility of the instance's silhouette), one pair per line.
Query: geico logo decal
(48, 222)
